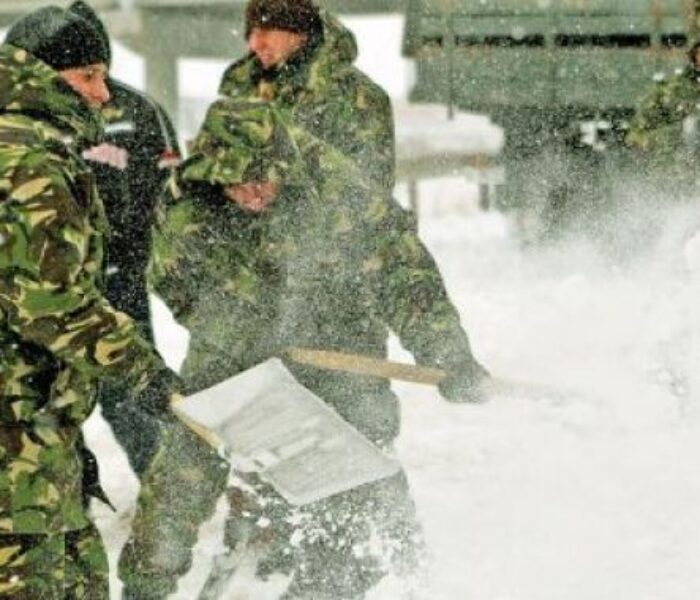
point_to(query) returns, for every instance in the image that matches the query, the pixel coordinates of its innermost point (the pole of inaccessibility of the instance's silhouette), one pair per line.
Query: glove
(463, 383)
(156, 397)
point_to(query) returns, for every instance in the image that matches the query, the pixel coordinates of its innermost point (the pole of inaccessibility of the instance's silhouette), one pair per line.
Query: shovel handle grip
(365, 365)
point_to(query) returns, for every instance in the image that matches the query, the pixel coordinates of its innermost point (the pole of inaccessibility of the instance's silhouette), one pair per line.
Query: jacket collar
(30, 87)
(315, 63)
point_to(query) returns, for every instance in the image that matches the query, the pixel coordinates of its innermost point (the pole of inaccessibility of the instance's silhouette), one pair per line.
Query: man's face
(274, 46)
(90, 82)
(253, 197)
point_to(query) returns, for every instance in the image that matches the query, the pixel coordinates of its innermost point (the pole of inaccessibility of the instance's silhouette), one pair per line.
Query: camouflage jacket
(57, 332)
(328, 96)
(332, 264)
(661, 124)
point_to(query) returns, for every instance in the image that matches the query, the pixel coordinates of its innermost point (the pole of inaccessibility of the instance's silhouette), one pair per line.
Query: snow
(592, 498)
(523, 498)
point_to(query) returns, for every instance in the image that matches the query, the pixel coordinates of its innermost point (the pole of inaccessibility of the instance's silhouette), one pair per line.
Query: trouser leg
(336, 549)
(179, 491)
(354, 540)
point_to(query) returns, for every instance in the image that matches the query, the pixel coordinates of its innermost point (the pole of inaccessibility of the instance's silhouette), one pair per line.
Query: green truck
(561, 76)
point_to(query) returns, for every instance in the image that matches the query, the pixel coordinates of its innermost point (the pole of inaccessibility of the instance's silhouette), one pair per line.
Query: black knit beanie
(299, 16)
(84, 10)
(60, 38)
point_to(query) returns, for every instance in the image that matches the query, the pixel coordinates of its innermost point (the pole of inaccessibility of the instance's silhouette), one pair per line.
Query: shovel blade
(271, 424)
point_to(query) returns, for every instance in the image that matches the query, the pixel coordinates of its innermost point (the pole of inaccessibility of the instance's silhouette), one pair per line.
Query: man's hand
(160, 393)
(253, 197)
(463, 384)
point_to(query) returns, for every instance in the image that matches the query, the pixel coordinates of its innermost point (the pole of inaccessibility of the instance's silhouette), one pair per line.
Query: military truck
(561, 76)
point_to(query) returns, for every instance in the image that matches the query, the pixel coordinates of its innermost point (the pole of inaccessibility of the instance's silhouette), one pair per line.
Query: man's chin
(268, 63)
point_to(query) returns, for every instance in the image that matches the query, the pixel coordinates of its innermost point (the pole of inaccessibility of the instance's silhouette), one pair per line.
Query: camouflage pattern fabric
(54, 567)
(658, 126)
(329, 97)
(332, 263)
(57, 332)
(178, 492)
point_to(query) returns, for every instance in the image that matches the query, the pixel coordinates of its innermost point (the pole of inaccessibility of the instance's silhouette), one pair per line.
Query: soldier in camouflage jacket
(666, 123)
(58, 335)
(317, 82)
(330, 263)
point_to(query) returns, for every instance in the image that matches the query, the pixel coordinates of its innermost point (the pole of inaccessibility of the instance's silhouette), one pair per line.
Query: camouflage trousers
(179, 491)
(68, 566)
(335, 549)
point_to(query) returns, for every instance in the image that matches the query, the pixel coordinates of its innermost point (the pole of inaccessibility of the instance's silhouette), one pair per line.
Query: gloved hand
(463, 383)
(156, 397)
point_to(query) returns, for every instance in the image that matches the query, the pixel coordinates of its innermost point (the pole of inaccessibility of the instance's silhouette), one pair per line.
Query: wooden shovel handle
(365, 365)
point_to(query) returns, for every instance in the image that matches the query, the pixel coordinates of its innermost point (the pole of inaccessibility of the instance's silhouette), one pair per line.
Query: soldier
(278, 240)
(58, 334)
(131, 165)
(666, 123)
(302, 61)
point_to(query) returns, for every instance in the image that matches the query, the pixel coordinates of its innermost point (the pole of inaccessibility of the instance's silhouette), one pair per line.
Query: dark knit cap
(299, 16)
(84, 10)
(60, 38)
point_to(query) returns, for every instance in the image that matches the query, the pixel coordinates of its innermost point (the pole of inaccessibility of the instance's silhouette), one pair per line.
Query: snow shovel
(378, 367)
(568, 408)
(269, 423)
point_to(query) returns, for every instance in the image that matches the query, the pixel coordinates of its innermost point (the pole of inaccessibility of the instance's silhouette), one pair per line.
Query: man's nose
(101, 93)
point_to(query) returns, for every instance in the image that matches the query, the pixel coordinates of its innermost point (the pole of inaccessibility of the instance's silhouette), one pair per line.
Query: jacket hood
(338, 41)
(29, 86)
(337, 49)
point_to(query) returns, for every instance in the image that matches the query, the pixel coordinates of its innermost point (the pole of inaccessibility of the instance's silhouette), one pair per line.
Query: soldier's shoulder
(354, 81)
(237, 75)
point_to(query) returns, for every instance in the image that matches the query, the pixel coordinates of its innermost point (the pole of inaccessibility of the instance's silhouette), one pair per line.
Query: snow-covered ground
(528, 498)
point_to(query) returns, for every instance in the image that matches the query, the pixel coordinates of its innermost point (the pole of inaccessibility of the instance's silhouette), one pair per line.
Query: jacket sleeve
(48, 279)
(409, 288)
(176, 268)
(381, 238)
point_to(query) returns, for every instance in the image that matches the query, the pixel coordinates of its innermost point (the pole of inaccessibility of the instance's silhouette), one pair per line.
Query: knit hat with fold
(299, 16)
(60, 38)
(84, 10)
